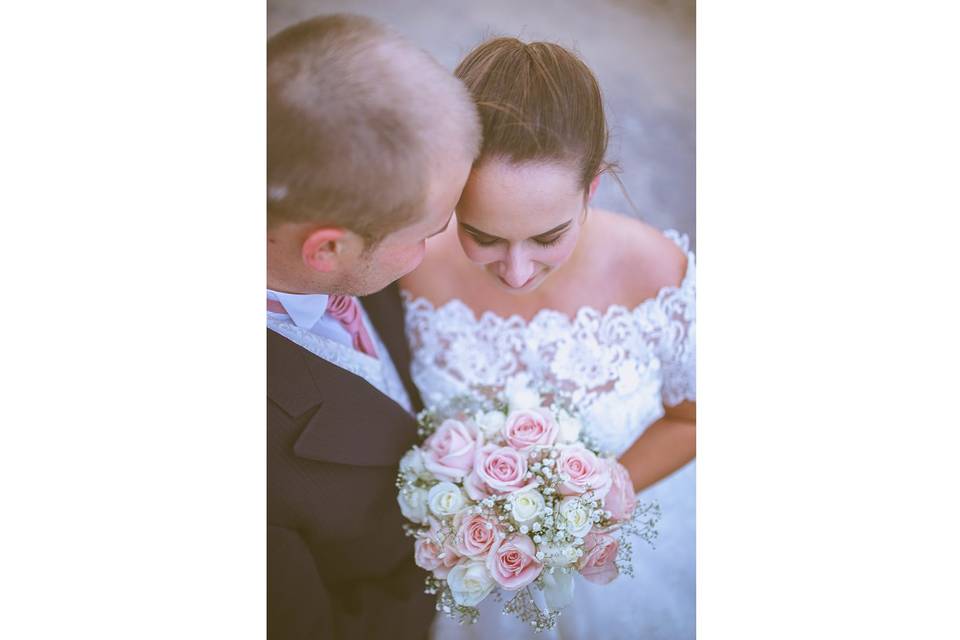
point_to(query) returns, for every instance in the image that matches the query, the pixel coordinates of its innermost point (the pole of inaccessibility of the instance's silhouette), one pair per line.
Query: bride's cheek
(480, 255)
(557, 255)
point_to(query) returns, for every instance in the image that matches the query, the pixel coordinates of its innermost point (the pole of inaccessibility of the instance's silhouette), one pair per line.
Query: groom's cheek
(402, 260)
(415, 256)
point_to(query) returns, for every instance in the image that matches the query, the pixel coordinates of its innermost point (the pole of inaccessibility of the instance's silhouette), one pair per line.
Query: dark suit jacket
(338, 563)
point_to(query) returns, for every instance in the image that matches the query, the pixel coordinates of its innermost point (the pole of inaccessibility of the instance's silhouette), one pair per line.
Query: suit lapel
(351, 422)
(385, 311)
(289, 382)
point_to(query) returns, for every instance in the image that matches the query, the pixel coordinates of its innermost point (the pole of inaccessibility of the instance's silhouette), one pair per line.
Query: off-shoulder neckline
(584, 312)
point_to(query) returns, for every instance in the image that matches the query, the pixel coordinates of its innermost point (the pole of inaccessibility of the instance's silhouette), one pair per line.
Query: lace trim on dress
(585, 356)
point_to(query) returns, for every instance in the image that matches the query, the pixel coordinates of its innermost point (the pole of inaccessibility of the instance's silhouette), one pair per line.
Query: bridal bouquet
(508, 494)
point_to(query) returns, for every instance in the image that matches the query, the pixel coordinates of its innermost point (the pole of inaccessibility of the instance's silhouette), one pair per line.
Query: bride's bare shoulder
(436, 278)
(637, 248)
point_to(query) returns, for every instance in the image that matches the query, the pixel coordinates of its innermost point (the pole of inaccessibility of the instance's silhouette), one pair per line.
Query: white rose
(470, 582)
(413, 503)
(490, 423)
(526, 506)
(557, 589)
(570, 428)
(576, 516)
(445, 499)
(555, 555)
(411, 464)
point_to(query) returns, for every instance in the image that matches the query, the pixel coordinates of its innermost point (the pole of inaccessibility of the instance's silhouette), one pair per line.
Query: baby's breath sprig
(642, 525)
(624, 559)
(591, 444)
(497, 509)
(449, 607)
(500, 404)
(427, 422)
(432, 585)
(491, 507)
(404, 481)
(525, 608)
(446, 534)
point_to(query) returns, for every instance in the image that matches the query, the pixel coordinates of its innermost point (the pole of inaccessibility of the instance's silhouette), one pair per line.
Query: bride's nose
(518, 268)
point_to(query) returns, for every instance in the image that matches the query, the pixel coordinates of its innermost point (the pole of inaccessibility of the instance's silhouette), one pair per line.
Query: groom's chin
(378, 290)
(368, 288)
(369, 279)
(372, 287)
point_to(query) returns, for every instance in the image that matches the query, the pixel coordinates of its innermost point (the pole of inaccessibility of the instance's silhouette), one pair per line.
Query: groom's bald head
(358, 119)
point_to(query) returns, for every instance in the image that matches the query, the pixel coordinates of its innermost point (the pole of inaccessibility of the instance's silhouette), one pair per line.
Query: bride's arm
(664, 447)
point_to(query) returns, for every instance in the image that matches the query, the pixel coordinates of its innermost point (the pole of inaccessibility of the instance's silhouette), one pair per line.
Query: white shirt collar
(305, 309)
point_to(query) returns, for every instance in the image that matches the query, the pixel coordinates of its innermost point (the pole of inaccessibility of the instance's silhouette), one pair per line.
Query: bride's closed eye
(489, 241)
(483, 241)
(549, 243)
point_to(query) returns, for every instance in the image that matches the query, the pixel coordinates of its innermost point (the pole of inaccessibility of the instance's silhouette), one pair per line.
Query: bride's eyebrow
(478, 232)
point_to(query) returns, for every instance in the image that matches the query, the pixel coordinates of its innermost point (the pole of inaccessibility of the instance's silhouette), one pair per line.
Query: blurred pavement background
(642, 52)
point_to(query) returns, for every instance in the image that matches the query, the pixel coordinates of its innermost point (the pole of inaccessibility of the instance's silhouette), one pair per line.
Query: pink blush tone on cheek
(556, 255)
(480, 255)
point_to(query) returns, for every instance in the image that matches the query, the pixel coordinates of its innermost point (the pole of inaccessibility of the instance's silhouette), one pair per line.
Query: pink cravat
(346, 311)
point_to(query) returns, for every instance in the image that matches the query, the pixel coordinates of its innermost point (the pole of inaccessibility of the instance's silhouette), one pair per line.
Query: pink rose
(475, 535)
(449, 452)
(621, 500)
(598, 562)
(501, 468)
(513, 562)
(476, 488)
(427, 550)
(581, 471)
(527, 428)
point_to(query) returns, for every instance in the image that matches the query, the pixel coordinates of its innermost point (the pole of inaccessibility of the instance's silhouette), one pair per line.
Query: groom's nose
(519, 268)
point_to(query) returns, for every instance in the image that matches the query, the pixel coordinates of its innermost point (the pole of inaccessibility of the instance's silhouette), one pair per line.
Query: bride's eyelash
(548, 243)
(484, 242)
(489, 242)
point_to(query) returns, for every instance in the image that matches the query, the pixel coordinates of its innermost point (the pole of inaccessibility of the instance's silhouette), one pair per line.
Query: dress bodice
(618, 367)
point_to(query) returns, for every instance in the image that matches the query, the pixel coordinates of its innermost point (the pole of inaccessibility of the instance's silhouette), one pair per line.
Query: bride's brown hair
(537, 102)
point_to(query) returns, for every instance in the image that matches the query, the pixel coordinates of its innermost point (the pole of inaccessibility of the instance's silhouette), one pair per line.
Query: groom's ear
(325, 248)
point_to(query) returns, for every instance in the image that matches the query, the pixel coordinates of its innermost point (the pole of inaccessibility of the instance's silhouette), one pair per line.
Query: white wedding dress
(621, 367)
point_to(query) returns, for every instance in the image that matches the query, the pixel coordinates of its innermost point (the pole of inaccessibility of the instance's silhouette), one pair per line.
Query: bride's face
(520, 222)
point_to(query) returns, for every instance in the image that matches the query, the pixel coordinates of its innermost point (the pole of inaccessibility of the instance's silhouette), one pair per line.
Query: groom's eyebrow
(478, 232)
